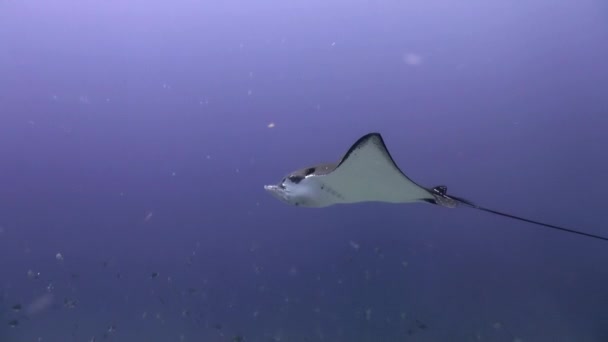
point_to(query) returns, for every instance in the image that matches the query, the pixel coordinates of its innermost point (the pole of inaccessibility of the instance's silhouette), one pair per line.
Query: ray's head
(291, 190)
(298, 189)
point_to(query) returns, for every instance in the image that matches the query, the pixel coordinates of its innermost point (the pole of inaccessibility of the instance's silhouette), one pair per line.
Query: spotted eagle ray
(368, 173)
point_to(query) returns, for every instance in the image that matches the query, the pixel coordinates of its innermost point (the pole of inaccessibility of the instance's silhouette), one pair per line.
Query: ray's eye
(310, 171)
(295, 179)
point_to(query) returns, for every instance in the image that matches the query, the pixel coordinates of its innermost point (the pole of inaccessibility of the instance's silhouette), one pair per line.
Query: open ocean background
(136, 137)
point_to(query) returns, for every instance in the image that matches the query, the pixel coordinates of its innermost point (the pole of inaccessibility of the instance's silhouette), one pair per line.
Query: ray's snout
(275, 191)
(270, 188)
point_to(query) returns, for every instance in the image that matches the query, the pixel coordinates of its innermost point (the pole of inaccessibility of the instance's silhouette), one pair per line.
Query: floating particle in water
(1, 230)
(13, 324)
(185, 313)
(59, 257)
(39, 304)
(368, 314)
(378, 252)
(256, 314)
(354, 245)
(293, 271)
(111, 329)
(33, 275)
(257, 269)
(154, 275)
(404, 263)
(517, 339)
(238, 338)
(69, 303)
(144, 315)
(271, 125)
(17, 307)
(421, 325)
(497, 325)
(148, 216)
(412, 59)
(217, 326)
(249, 92)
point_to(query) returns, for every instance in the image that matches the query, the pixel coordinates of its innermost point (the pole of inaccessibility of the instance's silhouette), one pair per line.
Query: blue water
(136, 137)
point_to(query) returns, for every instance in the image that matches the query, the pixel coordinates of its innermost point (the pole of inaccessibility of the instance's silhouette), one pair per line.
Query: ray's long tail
(443, 199)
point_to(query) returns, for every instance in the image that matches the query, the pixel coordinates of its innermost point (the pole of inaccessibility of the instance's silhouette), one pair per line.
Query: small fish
(154, 275)
(17, 307)
(13, 324)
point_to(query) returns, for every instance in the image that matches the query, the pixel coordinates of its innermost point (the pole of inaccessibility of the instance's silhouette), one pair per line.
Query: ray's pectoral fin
(367, 172)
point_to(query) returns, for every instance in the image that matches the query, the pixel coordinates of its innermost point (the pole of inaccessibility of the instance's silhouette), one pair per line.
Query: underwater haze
(136, 138)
